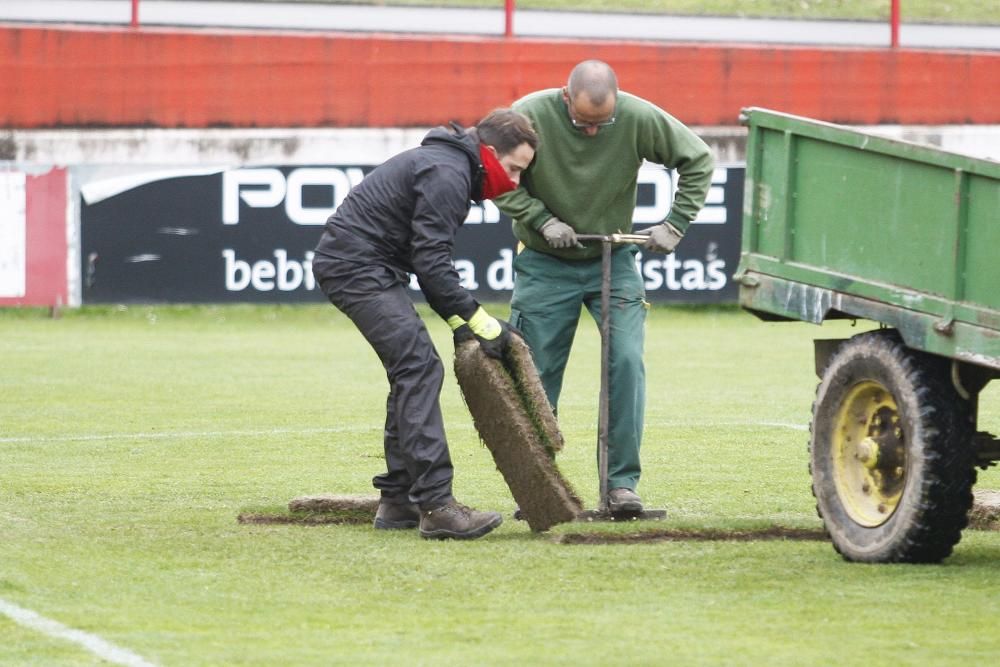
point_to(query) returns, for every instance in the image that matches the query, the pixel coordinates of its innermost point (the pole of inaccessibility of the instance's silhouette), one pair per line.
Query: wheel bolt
(868, 453)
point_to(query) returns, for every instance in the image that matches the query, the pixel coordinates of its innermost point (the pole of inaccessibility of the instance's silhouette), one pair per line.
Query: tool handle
(603, 417)
(615, 239)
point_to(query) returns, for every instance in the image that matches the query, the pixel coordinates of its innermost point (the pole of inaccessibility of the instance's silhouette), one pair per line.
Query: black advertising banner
(247, 235)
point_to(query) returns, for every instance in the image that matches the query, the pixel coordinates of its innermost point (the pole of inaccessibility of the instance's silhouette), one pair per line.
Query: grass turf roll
(516, 423)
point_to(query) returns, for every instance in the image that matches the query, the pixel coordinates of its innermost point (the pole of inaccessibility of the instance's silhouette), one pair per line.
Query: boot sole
(625, 508)
(382, 524)
(444, 534)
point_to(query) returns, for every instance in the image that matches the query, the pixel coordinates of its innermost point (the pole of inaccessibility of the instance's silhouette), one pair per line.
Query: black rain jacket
(404, 215)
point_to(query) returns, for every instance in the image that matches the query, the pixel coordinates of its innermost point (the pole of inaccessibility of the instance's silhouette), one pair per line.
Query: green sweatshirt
(589, 182)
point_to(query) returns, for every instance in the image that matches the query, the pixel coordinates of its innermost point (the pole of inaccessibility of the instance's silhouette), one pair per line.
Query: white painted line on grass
(99, 647)
(184, 434)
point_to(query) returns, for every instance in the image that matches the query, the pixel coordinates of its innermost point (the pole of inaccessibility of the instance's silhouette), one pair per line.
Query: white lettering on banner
(664, 184)
(467, 273)
(287, 275)
(268, 187)
(264, 276)
(13, 234)
(486, 212)
(232, 191)
(663, 195)
(694, 276)
(714, 211)
(466, 276)
(500, 274)
(301, 215)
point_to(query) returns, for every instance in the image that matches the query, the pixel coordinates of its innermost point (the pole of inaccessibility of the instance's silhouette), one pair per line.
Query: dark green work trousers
(548, 294)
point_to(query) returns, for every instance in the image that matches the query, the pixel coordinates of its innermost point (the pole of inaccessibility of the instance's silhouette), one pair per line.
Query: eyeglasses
(580, 125)
(586, 126)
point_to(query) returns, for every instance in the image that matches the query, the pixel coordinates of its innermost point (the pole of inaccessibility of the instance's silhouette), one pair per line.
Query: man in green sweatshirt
(593, 139)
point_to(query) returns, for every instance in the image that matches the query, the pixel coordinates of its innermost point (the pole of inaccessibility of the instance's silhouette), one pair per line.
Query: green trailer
(844, 224)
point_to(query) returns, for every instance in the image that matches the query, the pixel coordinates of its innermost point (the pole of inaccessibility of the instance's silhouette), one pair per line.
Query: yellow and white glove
(493, 334)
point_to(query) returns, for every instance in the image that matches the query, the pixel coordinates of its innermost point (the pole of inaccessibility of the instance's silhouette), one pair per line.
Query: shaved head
(594, 79)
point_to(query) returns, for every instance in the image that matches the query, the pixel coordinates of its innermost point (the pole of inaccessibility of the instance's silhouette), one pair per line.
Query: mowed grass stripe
(99, 437)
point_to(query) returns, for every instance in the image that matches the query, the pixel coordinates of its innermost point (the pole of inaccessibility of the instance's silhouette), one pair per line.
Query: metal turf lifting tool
(603, 513)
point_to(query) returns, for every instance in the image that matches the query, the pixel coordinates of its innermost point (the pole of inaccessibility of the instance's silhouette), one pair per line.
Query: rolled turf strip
(516, 423)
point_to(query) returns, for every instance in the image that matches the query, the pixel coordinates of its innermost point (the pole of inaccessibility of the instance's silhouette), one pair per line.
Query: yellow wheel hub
(869, 454)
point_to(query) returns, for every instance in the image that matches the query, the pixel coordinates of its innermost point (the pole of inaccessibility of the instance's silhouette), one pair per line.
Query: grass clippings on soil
(323, 509)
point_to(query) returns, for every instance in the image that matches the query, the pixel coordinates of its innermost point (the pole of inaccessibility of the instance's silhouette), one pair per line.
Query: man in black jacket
(402, 219)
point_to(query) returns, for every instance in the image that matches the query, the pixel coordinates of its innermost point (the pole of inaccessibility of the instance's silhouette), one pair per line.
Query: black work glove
(493, 334)
(462, 334)
(495, 347)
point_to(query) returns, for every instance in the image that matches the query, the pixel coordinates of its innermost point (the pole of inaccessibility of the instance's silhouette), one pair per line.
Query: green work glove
(493, 334)
(558, 234)
(663, 238)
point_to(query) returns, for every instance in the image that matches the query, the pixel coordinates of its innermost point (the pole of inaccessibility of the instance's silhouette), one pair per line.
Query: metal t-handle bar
(603, 410)
(615, 239)
(603, 420)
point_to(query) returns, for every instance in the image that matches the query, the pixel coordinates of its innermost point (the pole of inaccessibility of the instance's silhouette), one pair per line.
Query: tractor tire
(890, 452)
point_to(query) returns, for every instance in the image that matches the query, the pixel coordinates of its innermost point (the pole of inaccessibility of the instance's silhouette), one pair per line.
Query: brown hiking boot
(394, 516)
(456, 521)
(624, 501)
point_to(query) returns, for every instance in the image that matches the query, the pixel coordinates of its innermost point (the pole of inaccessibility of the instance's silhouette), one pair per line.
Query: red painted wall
(78, 77)
(45, 242)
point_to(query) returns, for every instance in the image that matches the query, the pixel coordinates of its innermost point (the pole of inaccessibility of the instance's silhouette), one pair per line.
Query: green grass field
(131, 438)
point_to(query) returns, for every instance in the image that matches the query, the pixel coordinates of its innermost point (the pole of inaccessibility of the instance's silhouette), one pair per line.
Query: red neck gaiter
(495, 180)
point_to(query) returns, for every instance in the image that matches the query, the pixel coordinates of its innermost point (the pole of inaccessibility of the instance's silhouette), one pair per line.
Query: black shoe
(518, 514)
(394, 516)
(624, 501)
(456, 521)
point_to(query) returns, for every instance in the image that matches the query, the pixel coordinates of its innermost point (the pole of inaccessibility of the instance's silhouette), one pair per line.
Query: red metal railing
(894, 24)
(509, 7)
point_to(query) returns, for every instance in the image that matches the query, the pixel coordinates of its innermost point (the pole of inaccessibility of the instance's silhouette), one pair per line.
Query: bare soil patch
(693, 535)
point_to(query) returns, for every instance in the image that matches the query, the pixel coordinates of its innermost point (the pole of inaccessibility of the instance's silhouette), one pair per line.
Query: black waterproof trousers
(419, 468)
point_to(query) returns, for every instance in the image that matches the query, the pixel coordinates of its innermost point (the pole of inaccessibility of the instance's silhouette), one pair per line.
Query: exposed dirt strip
(693, 535)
